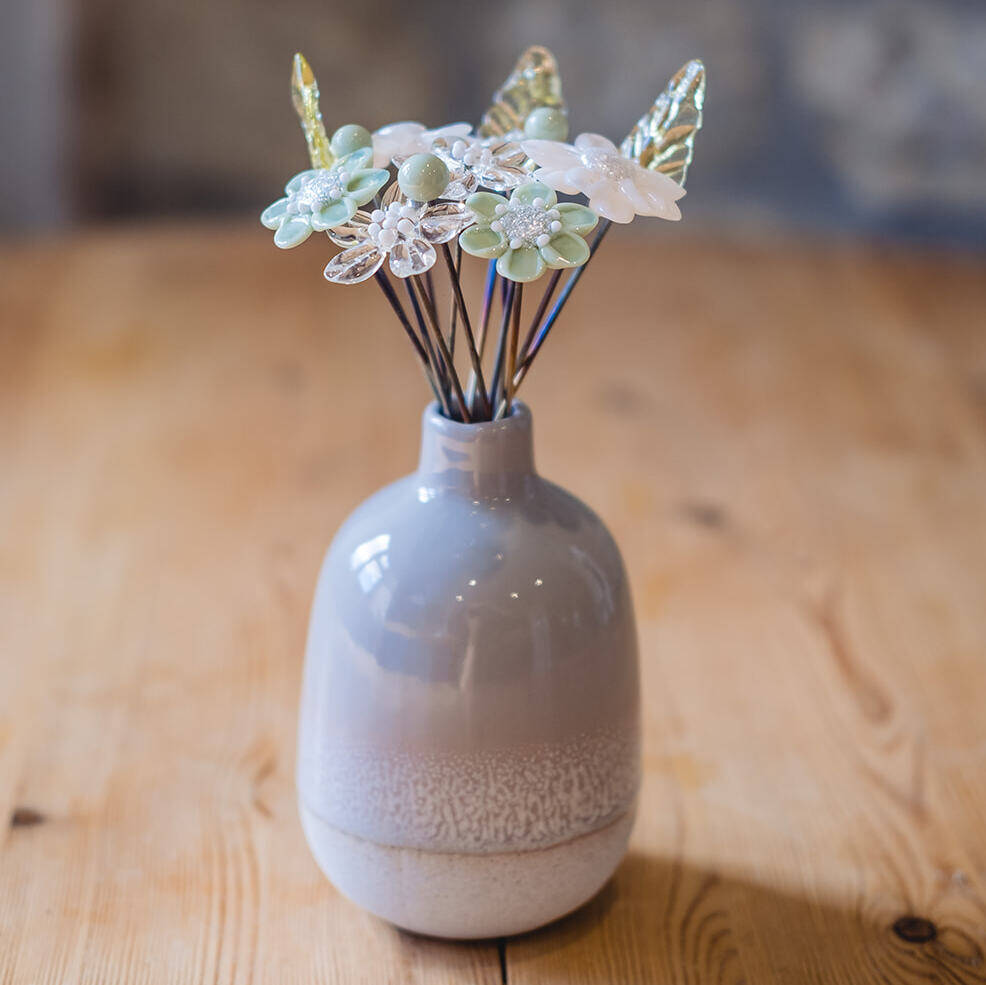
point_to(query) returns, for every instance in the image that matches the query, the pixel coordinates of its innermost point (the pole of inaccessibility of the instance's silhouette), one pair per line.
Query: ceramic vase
(469, 751)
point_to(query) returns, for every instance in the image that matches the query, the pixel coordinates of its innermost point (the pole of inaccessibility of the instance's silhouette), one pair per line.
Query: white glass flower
(402, 232)
(321, 198)
(529, 233)
(617, 187)
(473, 162)
(401, 140)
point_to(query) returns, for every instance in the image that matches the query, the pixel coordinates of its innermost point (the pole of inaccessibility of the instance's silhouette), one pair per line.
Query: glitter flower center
(613, 166)
(526, 223)
(318, 190)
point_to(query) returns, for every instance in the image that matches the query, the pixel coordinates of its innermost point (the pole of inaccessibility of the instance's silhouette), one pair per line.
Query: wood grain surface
(792, 454)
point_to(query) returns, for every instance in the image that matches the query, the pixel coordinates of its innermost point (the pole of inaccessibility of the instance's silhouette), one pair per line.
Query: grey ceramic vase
(469, 747)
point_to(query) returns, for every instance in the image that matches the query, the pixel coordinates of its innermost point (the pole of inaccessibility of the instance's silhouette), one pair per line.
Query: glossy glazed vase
(469, 750)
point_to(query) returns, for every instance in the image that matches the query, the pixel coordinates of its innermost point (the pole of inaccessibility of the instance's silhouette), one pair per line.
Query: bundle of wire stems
(495, 338)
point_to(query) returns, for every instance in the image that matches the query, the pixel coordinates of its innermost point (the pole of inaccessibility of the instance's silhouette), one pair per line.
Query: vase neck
(488, 459)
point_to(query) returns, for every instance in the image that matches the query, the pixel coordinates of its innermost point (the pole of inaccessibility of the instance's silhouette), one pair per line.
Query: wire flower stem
(542, 308)
(436, 365)
(454, 274)
(508, 396)
(429, 307)
(484, 322)
(460, 305)
(391, 295)
(501, 348)
(562, 298)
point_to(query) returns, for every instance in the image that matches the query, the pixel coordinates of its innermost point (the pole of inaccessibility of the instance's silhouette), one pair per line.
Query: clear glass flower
(403, 232)
(319, 199)
(490, 162)
(530, 233)
(617, 187)
(401, 140)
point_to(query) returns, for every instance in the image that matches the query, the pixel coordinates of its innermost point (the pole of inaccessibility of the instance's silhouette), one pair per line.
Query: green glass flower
(323, 198)
(529, 233)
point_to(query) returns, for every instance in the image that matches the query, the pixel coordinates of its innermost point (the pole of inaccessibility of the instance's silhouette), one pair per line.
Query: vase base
(466, 896)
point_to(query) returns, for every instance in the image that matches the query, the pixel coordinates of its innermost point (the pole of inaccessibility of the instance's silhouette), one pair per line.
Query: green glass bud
(546, 123)
(423, 177)
(351, 137)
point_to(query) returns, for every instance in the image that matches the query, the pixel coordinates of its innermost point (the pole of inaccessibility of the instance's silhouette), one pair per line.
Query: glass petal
(502, 178)
(559, 180)
(608, 201)
(577, 218)
(356, 264)
(356, 161)
(526, 194)
(522, 265)
(351, 233)
(551, 154)
(481, 241)
(272, 215)
(461, 186)
(444, 221)
(365, 184)
(291, 232)
(412, 256)
(483, 205)
(586, 141)
(393, 194)
(333, 214)
(565, 250)
(295, 183)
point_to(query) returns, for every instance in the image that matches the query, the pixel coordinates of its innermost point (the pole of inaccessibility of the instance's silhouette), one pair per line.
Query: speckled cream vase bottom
(462, 895)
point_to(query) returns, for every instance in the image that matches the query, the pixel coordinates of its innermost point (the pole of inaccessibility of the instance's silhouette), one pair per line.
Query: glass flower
(491, 162)
(402, 232)
(528, 234)
(319, 199)
(617, 187)
(401, 140)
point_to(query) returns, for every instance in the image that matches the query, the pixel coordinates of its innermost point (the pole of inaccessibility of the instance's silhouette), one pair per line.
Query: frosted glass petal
(551, 154)
(612, 204)
(559, 180)
(587, 141)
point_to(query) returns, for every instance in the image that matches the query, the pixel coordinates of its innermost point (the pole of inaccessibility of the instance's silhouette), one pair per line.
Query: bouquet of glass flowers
(398, 197)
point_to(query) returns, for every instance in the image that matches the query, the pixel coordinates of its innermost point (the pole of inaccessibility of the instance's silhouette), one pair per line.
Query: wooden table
(793, 457)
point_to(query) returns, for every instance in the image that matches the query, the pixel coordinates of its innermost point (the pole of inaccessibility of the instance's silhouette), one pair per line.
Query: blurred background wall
(857, 117)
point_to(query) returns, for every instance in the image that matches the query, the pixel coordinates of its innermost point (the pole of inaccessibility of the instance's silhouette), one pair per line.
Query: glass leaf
(304, 96)
(533, 82)
(664, 138)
